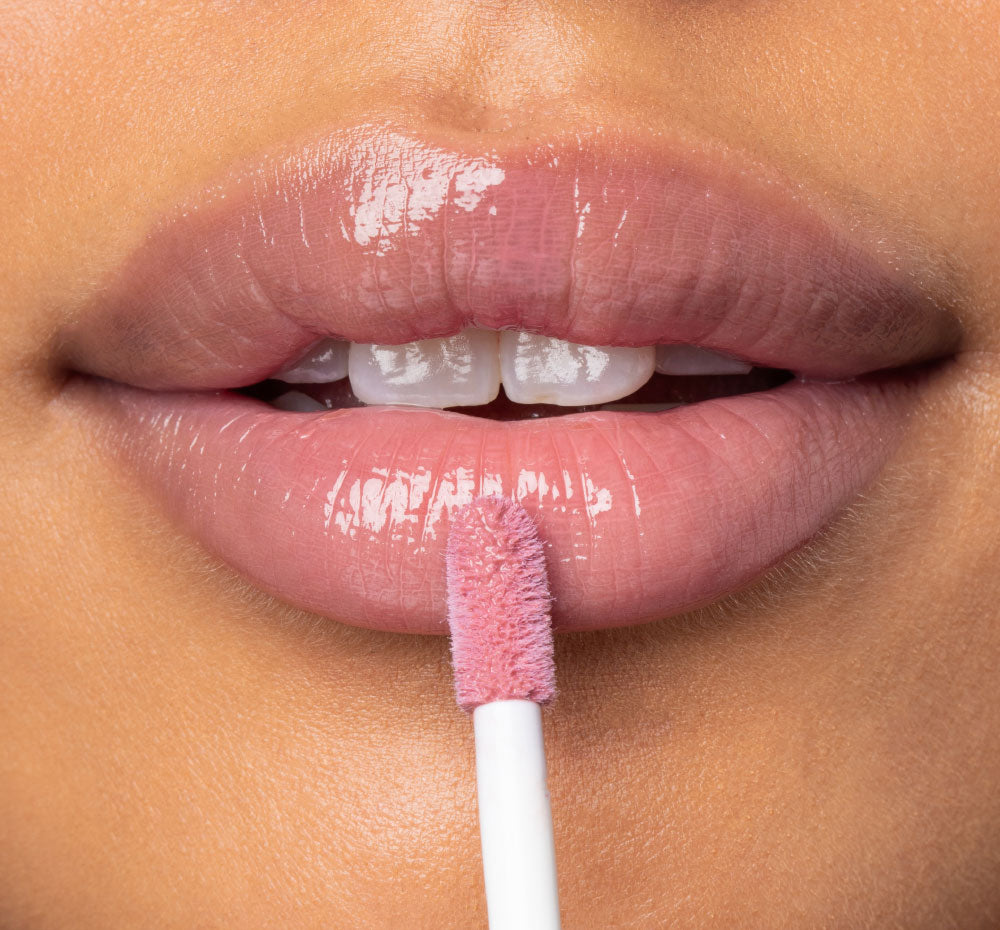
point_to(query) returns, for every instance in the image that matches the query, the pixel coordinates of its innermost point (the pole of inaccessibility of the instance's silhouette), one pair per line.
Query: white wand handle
(515, 819)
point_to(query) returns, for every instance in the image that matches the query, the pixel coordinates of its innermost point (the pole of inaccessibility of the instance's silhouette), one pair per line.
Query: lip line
(827, 268)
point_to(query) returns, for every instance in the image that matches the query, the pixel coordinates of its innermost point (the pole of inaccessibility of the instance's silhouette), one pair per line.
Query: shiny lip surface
(374, 236)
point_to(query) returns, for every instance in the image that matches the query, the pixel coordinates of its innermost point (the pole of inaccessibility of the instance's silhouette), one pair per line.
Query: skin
(180, 750)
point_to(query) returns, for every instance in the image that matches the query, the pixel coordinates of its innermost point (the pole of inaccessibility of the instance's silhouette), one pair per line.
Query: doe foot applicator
(501, 646)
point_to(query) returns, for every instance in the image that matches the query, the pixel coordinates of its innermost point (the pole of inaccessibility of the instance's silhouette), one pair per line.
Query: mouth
(682, 372)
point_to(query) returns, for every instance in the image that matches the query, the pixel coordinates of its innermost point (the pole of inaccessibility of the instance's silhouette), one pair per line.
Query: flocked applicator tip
(498, 606)
(501, 646)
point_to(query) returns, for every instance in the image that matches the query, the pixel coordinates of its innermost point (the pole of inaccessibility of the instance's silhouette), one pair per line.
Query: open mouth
(509, 376)
(679, 371)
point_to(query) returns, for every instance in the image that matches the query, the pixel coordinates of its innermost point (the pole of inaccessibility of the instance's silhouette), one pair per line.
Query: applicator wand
(501, 647)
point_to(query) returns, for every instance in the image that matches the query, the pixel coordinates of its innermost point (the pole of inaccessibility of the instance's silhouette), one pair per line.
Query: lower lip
(345, 513)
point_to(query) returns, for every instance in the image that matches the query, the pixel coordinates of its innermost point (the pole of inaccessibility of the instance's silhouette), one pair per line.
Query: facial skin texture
(182, 751)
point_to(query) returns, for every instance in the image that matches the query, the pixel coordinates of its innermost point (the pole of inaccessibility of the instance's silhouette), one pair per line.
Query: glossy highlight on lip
(413, 507)
(375, 236)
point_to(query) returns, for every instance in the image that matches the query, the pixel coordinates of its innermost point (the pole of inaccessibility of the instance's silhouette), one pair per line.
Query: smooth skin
(181, 751)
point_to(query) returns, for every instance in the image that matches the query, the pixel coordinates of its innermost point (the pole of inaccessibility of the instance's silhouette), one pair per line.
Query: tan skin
(180, 750)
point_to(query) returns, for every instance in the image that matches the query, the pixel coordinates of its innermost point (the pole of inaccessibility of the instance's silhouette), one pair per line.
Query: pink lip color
(380, 238)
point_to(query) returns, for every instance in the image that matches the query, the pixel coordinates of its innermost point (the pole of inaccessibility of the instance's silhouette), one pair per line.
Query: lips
(375, 237)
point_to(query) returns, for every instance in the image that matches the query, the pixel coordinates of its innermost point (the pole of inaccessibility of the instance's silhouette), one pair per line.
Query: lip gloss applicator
(501, 647)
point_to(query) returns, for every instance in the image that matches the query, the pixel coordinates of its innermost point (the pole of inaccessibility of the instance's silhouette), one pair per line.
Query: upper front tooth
(325, 361)
(542, 370)
(460, 371)
(693, 360)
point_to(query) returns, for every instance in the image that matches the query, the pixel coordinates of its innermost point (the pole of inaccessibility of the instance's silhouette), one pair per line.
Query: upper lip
(379, 237)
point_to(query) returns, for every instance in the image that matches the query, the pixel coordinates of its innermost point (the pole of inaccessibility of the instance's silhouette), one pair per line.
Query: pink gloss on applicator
(502, 654)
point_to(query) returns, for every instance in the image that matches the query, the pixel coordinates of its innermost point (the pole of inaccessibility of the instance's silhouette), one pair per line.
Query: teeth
(467, 369)
(324, 362)
(297, 402)
(693, 360)
(541, 370)
(460, 371)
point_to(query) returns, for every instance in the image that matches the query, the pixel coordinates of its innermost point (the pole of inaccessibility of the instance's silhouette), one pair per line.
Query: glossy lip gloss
(375, 236)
